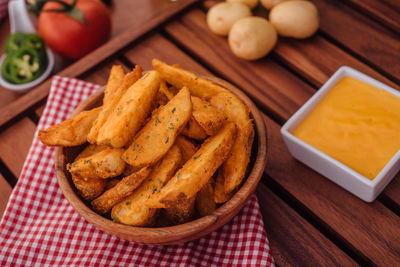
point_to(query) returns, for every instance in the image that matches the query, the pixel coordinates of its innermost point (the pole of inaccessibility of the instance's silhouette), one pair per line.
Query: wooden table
(309, 220)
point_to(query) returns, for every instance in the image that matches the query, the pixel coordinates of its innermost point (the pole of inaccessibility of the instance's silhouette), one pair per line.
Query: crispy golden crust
(89, 189)
(205, 203)
(131, 210)
(220, 196)
(188, 148)
(104, 164)
(160, 132)
(234, 168)
(121, 190)
(130, 112)
(181, 211)
(115, 89)
(71, 132)
(193, 130)
(207, 116)
(197, 171)
(179, 78)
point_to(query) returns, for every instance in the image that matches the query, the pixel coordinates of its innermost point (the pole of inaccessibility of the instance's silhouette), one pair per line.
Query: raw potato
(207, 116)
(120, 191)
(115, 89)
(298, 19)
(160, 132)
(197, 171)
(179, 78)
(104, 164)
(71, 132)
(234, 167)
(250, 3)
(252, 38)
(130, 112)
(131, 210)
(268, 4)
(205, 203)
(222, 16)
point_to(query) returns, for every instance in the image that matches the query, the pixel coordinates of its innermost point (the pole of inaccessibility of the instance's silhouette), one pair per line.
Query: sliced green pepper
(14, 42)
(22, 66)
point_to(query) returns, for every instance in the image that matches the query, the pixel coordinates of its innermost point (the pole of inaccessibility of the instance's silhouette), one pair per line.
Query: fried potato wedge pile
(165, 147)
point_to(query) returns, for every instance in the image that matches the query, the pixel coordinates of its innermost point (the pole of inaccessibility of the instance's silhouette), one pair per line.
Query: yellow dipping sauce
(357, 124)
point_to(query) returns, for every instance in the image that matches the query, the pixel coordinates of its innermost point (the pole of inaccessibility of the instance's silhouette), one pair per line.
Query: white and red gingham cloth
(40, 228)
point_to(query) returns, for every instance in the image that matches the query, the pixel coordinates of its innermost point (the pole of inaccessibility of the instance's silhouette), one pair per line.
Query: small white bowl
(334, 170)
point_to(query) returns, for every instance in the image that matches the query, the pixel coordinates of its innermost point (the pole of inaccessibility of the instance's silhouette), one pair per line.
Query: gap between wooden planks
(86, 63)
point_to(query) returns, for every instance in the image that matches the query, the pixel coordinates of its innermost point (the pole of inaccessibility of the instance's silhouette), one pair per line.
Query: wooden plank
(262, 80)
(369, 228)
(386, 12)
(5, 192)
(294, 241)
(304, 56)
(15, 142)
(155, 46)
(376, 44)
(161, 13)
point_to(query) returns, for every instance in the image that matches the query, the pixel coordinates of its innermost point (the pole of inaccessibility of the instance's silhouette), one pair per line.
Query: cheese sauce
(357, 124)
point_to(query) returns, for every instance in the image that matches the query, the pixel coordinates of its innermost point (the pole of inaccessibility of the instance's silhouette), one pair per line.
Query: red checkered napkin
(40, 227)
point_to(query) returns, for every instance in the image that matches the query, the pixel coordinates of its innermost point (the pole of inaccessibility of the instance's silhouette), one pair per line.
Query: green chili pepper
(22, 66)
(26, 58)
(14, 42)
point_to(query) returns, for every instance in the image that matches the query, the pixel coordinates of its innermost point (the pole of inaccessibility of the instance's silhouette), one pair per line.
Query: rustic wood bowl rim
(183, 232)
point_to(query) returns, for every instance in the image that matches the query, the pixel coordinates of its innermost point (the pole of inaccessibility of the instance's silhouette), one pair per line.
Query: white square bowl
(331, 168)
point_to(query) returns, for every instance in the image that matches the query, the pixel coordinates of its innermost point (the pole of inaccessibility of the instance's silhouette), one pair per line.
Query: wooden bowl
(179, 233)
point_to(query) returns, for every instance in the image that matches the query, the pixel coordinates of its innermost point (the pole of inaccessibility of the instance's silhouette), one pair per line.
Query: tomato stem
(69, 9)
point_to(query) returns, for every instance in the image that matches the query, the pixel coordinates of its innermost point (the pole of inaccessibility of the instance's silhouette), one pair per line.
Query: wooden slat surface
(385, 11)
(294, 242)
(373, 42)
(91, 60)
(5, 191)
(15, 142)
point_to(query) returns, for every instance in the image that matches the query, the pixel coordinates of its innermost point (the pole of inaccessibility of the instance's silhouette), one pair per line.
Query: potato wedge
(180, 212)
(220, 196)
(193, 130)
(197, 171)
(114, 81)
(112, 96)
(90, 150)
(130, 112)
(187, 147)
(104, 164)
(71, 132)
(235, 166)
(131, 210)
(179, 78)
(160, 132)
(205, 203)
(207, 116)
(164, 95)
(91, 188)
(121, 190)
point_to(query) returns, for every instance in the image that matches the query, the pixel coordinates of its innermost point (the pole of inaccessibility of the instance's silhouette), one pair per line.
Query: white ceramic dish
(334, 170)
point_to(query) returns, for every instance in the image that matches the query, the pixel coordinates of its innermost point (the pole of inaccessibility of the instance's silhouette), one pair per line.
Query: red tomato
(71, 37)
